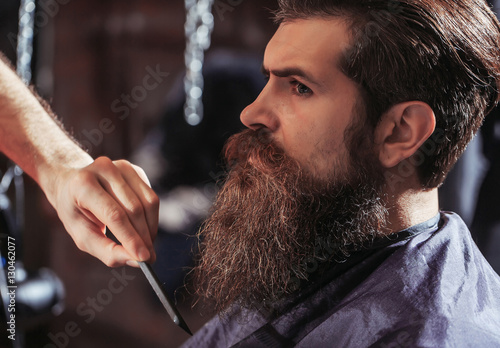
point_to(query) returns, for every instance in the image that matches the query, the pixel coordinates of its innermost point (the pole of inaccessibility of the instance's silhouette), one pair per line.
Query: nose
(261, 113)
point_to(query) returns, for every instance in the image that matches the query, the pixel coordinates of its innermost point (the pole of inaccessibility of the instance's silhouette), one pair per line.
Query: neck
(411, 207)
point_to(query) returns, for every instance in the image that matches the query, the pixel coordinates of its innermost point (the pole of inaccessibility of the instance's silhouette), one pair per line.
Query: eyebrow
(287, 72)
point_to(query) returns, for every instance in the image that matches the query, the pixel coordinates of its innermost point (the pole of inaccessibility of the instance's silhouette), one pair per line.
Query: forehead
(313, 44)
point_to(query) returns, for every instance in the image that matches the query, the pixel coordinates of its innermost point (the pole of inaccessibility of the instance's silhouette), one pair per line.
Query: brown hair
(444, 53)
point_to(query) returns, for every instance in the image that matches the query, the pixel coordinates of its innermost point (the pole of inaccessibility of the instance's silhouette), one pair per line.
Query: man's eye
(303, 89)
(300, 88)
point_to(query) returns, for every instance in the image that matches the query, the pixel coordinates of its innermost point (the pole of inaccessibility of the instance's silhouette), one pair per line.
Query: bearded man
(327, 231)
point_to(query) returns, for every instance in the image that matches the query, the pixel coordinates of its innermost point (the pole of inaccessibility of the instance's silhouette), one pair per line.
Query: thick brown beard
(271, 219)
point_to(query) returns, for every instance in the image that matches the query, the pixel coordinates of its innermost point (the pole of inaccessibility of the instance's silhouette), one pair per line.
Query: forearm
(88, 195)
(31, 137)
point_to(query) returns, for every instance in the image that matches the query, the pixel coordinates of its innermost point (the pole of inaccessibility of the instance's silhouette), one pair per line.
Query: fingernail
(132, 263)
(143, 254)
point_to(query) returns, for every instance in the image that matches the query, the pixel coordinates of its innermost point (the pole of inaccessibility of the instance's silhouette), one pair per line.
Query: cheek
(330, 153)
(313, 133)
(320, 150)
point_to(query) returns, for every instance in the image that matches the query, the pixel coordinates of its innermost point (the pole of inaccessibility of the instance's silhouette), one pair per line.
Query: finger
(138, 181)
(106, 250)
(89, 237)
(140, 172)
(113, 238)
(131, 204)
(129, 198)
(110, 213)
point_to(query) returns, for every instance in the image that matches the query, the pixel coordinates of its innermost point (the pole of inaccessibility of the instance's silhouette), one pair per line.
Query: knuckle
(109, 260)
(139, 170)
(103, 160)
(103, 164)
(82, 178)
(120, 162)
(136, 209)
(130, 241)
(115, 215)
(152, 199)
(80, 244)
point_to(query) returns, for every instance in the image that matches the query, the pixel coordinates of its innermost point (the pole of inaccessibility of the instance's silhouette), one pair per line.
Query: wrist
(52, 175)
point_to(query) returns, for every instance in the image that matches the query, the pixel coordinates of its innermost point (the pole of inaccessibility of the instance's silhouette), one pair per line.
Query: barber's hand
(114, 194)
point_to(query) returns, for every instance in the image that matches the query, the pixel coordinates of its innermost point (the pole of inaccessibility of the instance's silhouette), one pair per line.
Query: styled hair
(442, 52)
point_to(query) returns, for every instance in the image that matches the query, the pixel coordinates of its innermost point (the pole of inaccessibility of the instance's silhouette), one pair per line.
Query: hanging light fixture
(199, 26)
(25, 39)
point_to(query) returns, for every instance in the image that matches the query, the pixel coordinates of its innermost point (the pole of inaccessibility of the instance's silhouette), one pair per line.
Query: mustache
(253, 154)
(253, 148)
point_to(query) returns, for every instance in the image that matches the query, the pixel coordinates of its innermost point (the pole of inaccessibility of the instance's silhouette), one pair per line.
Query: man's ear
(402, 130)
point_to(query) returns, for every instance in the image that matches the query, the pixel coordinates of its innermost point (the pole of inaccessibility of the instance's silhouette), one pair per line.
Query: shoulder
(436, 289)
(226, 331)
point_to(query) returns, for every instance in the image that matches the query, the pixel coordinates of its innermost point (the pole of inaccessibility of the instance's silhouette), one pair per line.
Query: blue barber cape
(428, 286)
